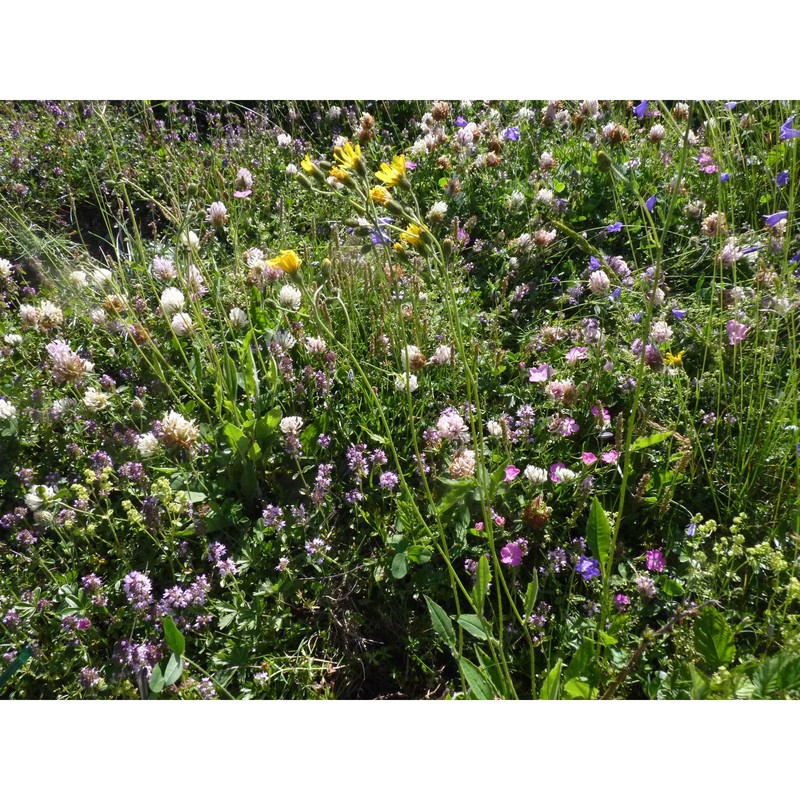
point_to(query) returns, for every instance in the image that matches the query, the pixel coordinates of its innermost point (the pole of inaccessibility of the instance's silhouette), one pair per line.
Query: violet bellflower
(641, 109)
(787, 132)
(774, 219)
(588, 568)
(651, 203)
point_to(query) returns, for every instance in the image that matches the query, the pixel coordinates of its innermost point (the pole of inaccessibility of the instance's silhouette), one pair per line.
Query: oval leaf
(174, 638)
(471, 623)
(477, 682)
(598, 533)
(441, 623)
(549, 690)
(173, 670)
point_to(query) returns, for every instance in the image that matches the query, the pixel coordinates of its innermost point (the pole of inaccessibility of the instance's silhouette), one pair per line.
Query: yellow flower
(307, 164)
(674, 359)
(287, 260)
(392, 174)
(339, 173)
(347, 155)
(412, 235)
(380, 195)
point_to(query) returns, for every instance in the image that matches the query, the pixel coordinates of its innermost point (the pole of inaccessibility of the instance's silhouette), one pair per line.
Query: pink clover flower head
(541, 374)
(655, 560)
(511, 473)
(737, 332)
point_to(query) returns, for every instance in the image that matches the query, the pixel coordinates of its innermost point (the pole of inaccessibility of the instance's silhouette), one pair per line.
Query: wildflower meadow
(399, 399)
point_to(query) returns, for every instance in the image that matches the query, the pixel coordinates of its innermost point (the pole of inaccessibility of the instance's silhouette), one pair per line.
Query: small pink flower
(245, 193)
(611, 457)
(478, 526)
(497, 519)
(655, 560)
(577, 354)
(541, 374)
(513, 553)
(588, 458)
(736, 332)
(411, 165)
(511, 473)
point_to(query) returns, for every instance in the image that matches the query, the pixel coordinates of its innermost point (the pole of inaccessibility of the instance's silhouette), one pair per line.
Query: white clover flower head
(163, 269)
(147, 445)
(290, 297)
(62, 405)
(535, 475)
(660, 332)
(291, 426)
(39, 496)
(67, 366)
(238, 318)
(407, 380)
(463, 464)
(545, 197)
(190, 240)
(182, 324)
(437, 212)
(101, 276)
(217, 214)
(95, 400)
(442, 356)
(657, 133)
(291, 169)
(177, 431)
(78, 279)
(5, 269)
(7, 410)
(563, 474)
(12, 339)
(172, 300)
(599, 282)
(494, 429)
(315, 345)
(97, 316)
(50, 316)
(284, 339)
(28, 316)
(412, 358)
(284, 140)
(244, 179)
(451, 425)
(515, 200)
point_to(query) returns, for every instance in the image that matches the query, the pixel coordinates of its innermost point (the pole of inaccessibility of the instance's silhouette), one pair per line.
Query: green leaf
(549, 690)
(274, 417)
(776, 676)
(581, 662)
(399, 566)
(598, 533)
(471, 623)
(458, 490)
(234, 435)
(173, 636)
(577, 689)
(531, 593)
(476, 680)
(173, 670)
(559, 186)
(713, 639)
(441, 623)
(482, 581)
(417, 554)
(671, 587)
(157, 682)
(649, 441)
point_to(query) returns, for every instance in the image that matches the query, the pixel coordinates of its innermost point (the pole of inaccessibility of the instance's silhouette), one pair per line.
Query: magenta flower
(554, 470)
(621, 602)
(737, 332)
(567, 426)
(513, 553)
(511, 473)
(706, 161)
(588, 458)
(244, 193)
(611, 457)
(541, 374)
(774, 219)
(655, 560)
(497, 519)
(478, 526)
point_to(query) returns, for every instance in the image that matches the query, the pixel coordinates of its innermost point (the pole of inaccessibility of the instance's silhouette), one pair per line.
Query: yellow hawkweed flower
(380, 195)
(674, 359)
(287, 260)
(347, 155)
(339, 173)
(412, 235)
(392, 174)
(307, 164)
